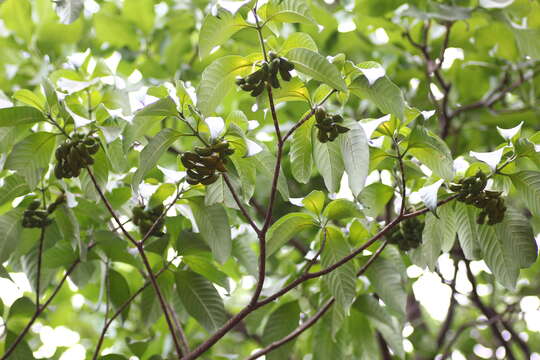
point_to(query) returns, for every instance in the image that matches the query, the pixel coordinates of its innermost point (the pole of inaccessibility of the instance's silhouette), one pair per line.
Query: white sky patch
(216, 125)
(344, 189)
(460, 164)
(414, 271)
(424, 288)
(508, 134)
(76, 352)
(379, 37)
(482, 351)
(414, 83)
(345, 21)
(369, 127)
(437, 94)
(297, 201)
(495, 4)
(450, 55)
(373, 73)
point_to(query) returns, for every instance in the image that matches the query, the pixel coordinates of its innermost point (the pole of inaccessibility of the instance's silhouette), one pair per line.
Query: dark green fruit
(209, 179)
(341, 129)
(272, 55)
(34, 205)
(203, 151)
(320, 115)
(240, 80)
(258, 89)
(191, 180)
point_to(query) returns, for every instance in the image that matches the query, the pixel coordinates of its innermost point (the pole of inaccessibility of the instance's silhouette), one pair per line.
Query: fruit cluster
(203, 163)
(268, 72)
(144, 219)
(34, 218)
(75, 154)
(407, 235)
(328, 125)
(472, 192)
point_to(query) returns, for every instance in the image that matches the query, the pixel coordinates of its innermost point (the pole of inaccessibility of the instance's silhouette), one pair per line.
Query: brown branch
(488, 313)
(239, 203)
(311, 321)
(447, 324)
(40, 258)
(254, 306)
(40, 309)
(140, 248)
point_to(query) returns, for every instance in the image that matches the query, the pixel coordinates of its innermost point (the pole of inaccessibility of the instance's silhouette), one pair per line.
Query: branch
(140, 248)
(239, 203)
(447, 324)
(254, 306)
(39, 310)
(311, 321)
(488, 313)
(40, 258)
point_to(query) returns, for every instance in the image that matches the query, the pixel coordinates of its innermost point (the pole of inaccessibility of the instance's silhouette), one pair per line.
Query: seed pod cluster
(328, 125)
(35, 218)
(75, 154)
(472, 192)
(407, 235)
(268, 72)
(144, 218)
(203, 163)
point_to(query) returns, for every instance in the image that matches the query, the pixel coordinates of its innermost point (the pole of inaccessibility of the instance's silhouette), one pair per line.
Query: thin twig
(38, 270)
(239, 203)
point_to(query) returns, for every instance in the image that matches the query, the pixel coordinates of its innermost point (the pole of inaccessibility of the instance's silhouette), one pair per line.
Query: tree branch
(239, 203)
(488, 313)
(140, 248)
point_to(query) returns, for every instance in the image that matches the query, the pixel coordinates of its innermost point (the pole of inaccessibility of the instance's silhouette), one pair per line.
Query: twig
(42, 308)
(311, 321)
(239, 203)
(254, 306)
(40, 258)
(488, 313)
(140, 248)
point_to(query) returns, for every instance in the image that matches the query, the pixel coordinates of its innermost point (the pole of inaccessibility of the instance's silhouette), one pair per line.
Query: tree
(211, 180)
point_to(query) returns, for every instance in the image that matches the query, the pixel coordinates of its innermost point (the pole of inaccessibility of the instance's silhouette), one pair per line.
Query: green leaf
(281, 323)
(22, 351)
(317, 66)
(341, 281)
(202, 266)
(387, 325)
(245, 255)
(141, 13)
(163, 107)
(30, 157)
(527, 184)
(298, 40)
(10, 230)
(467, 230)
(161, 194)
(374, 197)
(429, 195)
(439, 11)
(265, 163)
(527, 41)
(300, 153)
(324, 346)
(314, 201)
(341, 209)
(151, 154)
(386, 278)
(291, 11)
(115, 30)
(29, 98)
(101, 173)
(328, 161)
(13, 187)
(70, 229)
(432, 151)
(218, 79)
(69, 10)
(20, 115)
(216, 30)
(285, 228)
(17, 16)
(200, 299)
(219, 193)
(214, 227)
(386, 95)
(355, 153)
(118, 291)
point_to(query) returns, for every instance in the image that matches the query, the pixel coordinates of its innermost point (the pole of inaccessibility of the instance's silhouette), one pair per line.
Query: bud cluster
(407, 234)
(472, 192)
(75, 154)
(145, 218)
(268, 72)
(328, 125)
(34, 218)
(204, 162)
